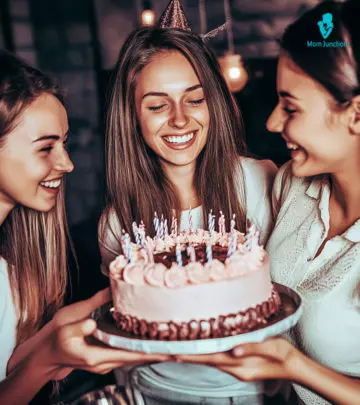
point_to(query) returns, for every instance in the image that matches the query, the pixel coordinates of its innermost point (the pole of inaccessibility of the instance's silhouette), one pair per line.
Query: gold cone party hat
(174, 17)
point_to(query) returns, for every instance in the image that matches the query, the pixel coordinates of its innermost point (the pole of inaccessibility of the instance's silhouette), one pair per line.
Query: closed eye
(157, 107)
(289, 110)
(197, 102)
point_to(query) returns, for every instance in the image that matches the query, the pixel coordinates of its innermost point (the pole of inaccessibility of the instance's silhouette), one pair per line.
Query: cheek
(151, 124)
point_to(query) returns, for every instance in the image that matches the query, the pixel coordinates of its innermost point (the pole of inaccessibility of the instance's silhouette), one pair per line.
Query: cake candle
(156, 224)
(191, 253)
(222, 228)
(211, 222)
(166, 231)
(136, 233)
(142, 233)
(178, 253)
(174, 226)
(127, 246)
(190, 221)
(209, 252)
(232, 224)
(161, 228)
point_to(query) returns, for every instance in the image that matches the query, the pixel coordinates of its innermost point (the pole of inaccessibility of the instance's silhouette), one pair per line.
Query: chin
(305, 170)
(42, 207)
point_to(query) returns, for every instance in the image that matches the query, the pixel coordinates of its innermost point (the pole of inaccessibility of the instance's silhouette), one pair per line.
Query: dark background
(78, 41)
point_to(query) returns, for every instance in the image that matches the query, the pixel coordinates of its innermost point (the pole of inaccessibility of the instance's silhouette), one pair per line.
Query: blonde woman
(37, 343)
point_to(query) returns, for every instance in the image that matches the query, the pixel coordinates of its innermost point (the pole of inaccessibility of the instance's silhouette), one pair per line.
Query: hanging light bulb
(231, 64)
(148, 15)
(233, 71)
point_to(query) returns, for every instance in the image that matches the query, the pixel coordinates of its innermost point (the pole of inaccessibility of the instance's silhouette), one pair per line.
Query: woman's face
(316, 134)
(171, 109)
(33, 157)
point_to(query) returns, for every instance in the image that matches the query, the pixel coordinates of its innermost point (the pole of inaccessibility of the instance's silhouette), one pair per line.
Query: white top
(8, 320)
(198, 379)
(329, 329)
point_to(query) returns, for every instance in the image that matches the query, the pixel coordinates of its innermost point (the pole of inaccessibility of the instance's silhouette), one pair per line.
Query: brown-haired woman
(174, 140)
(38, 342)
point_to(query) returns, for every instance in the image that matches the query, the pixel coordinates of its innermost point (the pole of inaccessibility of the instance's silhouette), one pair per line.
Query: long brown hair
(136, 183)
(33, 243)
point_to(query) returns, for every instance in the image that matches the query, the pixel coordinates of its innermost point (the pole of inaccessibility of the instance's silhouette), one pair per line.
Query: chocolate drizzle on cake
(168, 258)
(224, 325)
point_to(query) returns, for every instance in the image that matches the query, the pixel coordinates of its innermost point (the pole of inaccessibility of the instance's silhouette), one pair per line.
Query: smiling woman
(39, 341)
(175, 140)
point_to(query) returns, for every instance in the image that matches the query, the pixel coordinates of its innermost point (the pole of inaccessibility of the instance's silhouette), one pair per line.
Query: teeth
(51, 184)
(180, 139)
(292, 146)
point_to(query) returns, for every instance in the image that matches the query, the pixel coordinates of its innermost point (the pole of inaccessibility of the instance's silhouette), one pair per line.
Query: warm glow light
(233, 71)
(147, 17)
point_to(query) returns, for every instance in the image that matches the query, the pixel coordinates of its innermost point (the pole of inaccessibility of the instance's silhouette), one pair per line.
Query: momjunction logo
(326, 27)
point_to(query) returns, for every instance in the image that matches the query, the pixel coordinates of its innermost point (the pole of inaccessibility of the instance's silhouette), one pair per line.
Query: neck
(182, 178)
(346, 193)
(5, 208)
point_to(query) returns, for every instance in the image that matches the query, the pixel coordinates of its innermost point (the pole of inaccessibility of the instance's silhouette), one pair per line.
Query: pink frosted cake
(194, 285)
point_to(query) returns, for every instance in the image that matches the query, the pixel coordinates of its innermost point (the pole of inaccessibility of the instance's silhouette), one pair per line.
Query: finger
(272, 348)
(102, 355)
(211, 359)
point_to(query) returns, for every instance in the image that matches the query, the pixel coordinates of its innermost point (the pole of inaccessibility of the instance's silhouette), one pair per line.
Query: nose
(63, 162)
(178, 119)
(275, 122)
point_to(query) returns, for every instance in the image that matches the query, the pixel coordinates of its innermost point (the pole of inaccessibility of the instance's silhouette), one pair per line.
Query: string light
(231, 64)
(148, 15)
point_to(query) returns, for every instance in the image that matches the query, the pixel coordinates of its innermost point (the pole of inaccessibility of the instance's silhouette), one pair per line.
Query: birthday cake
(192, 285)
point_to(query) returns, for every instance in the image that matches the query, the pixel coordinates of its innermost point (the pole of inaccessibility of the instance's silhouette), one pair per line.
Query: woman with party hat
(174, 140)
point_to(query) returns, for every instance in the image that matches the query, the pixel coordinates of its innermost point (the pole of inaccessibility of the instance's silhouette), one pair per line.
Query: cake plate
(286, 318)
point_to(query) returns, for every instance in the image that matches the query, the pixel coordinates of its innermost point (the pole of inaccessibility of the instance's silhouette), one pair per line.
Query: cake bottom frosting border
(222, 326)
(289, 314)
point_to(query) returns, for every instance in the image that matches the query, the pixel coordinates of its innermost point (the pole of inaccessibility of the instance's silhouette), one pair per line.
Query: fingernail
(238, 351)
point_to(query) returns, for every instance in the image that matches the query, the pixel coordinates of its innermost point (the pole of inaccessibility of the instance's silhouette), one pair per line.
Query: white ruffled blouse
(329, 329)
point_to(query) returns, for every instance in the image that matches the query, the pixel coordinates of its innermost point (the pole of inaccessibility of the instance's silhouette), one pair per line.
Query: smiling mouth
(180, 139)
(53, 184)
(292, 146)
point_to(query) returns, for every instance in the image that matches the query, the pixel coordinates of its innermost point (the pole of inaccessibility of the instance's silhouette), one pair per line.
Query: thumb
(81, 328)
(83, 309)
(87, 327)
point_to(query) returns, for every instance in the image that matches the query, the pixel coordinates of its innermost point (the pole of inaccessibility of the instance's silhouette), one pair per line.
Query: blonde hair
(34, 244)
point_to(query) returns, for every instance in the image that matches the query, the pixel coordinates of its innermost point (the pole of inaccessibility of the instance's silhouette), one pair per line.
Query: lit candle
(136, 233)
(142, 233)
(161, 227)
(222, 228)
(211, 222)
(174, 226)
(156, 224)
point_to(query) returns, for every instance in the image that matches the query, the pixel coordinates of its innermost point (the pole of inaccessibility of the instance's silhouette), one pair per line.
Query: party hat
(174, 17)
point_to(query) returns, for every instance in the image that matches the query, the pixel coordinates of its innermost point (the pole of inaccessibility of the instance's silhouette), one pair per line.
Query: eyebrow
(286, 94)
(161, 94)
(50, 137)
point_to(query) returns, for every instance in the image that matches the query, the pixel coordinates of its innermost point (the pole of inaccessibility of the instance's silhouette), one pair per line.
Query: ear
(354, 116)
